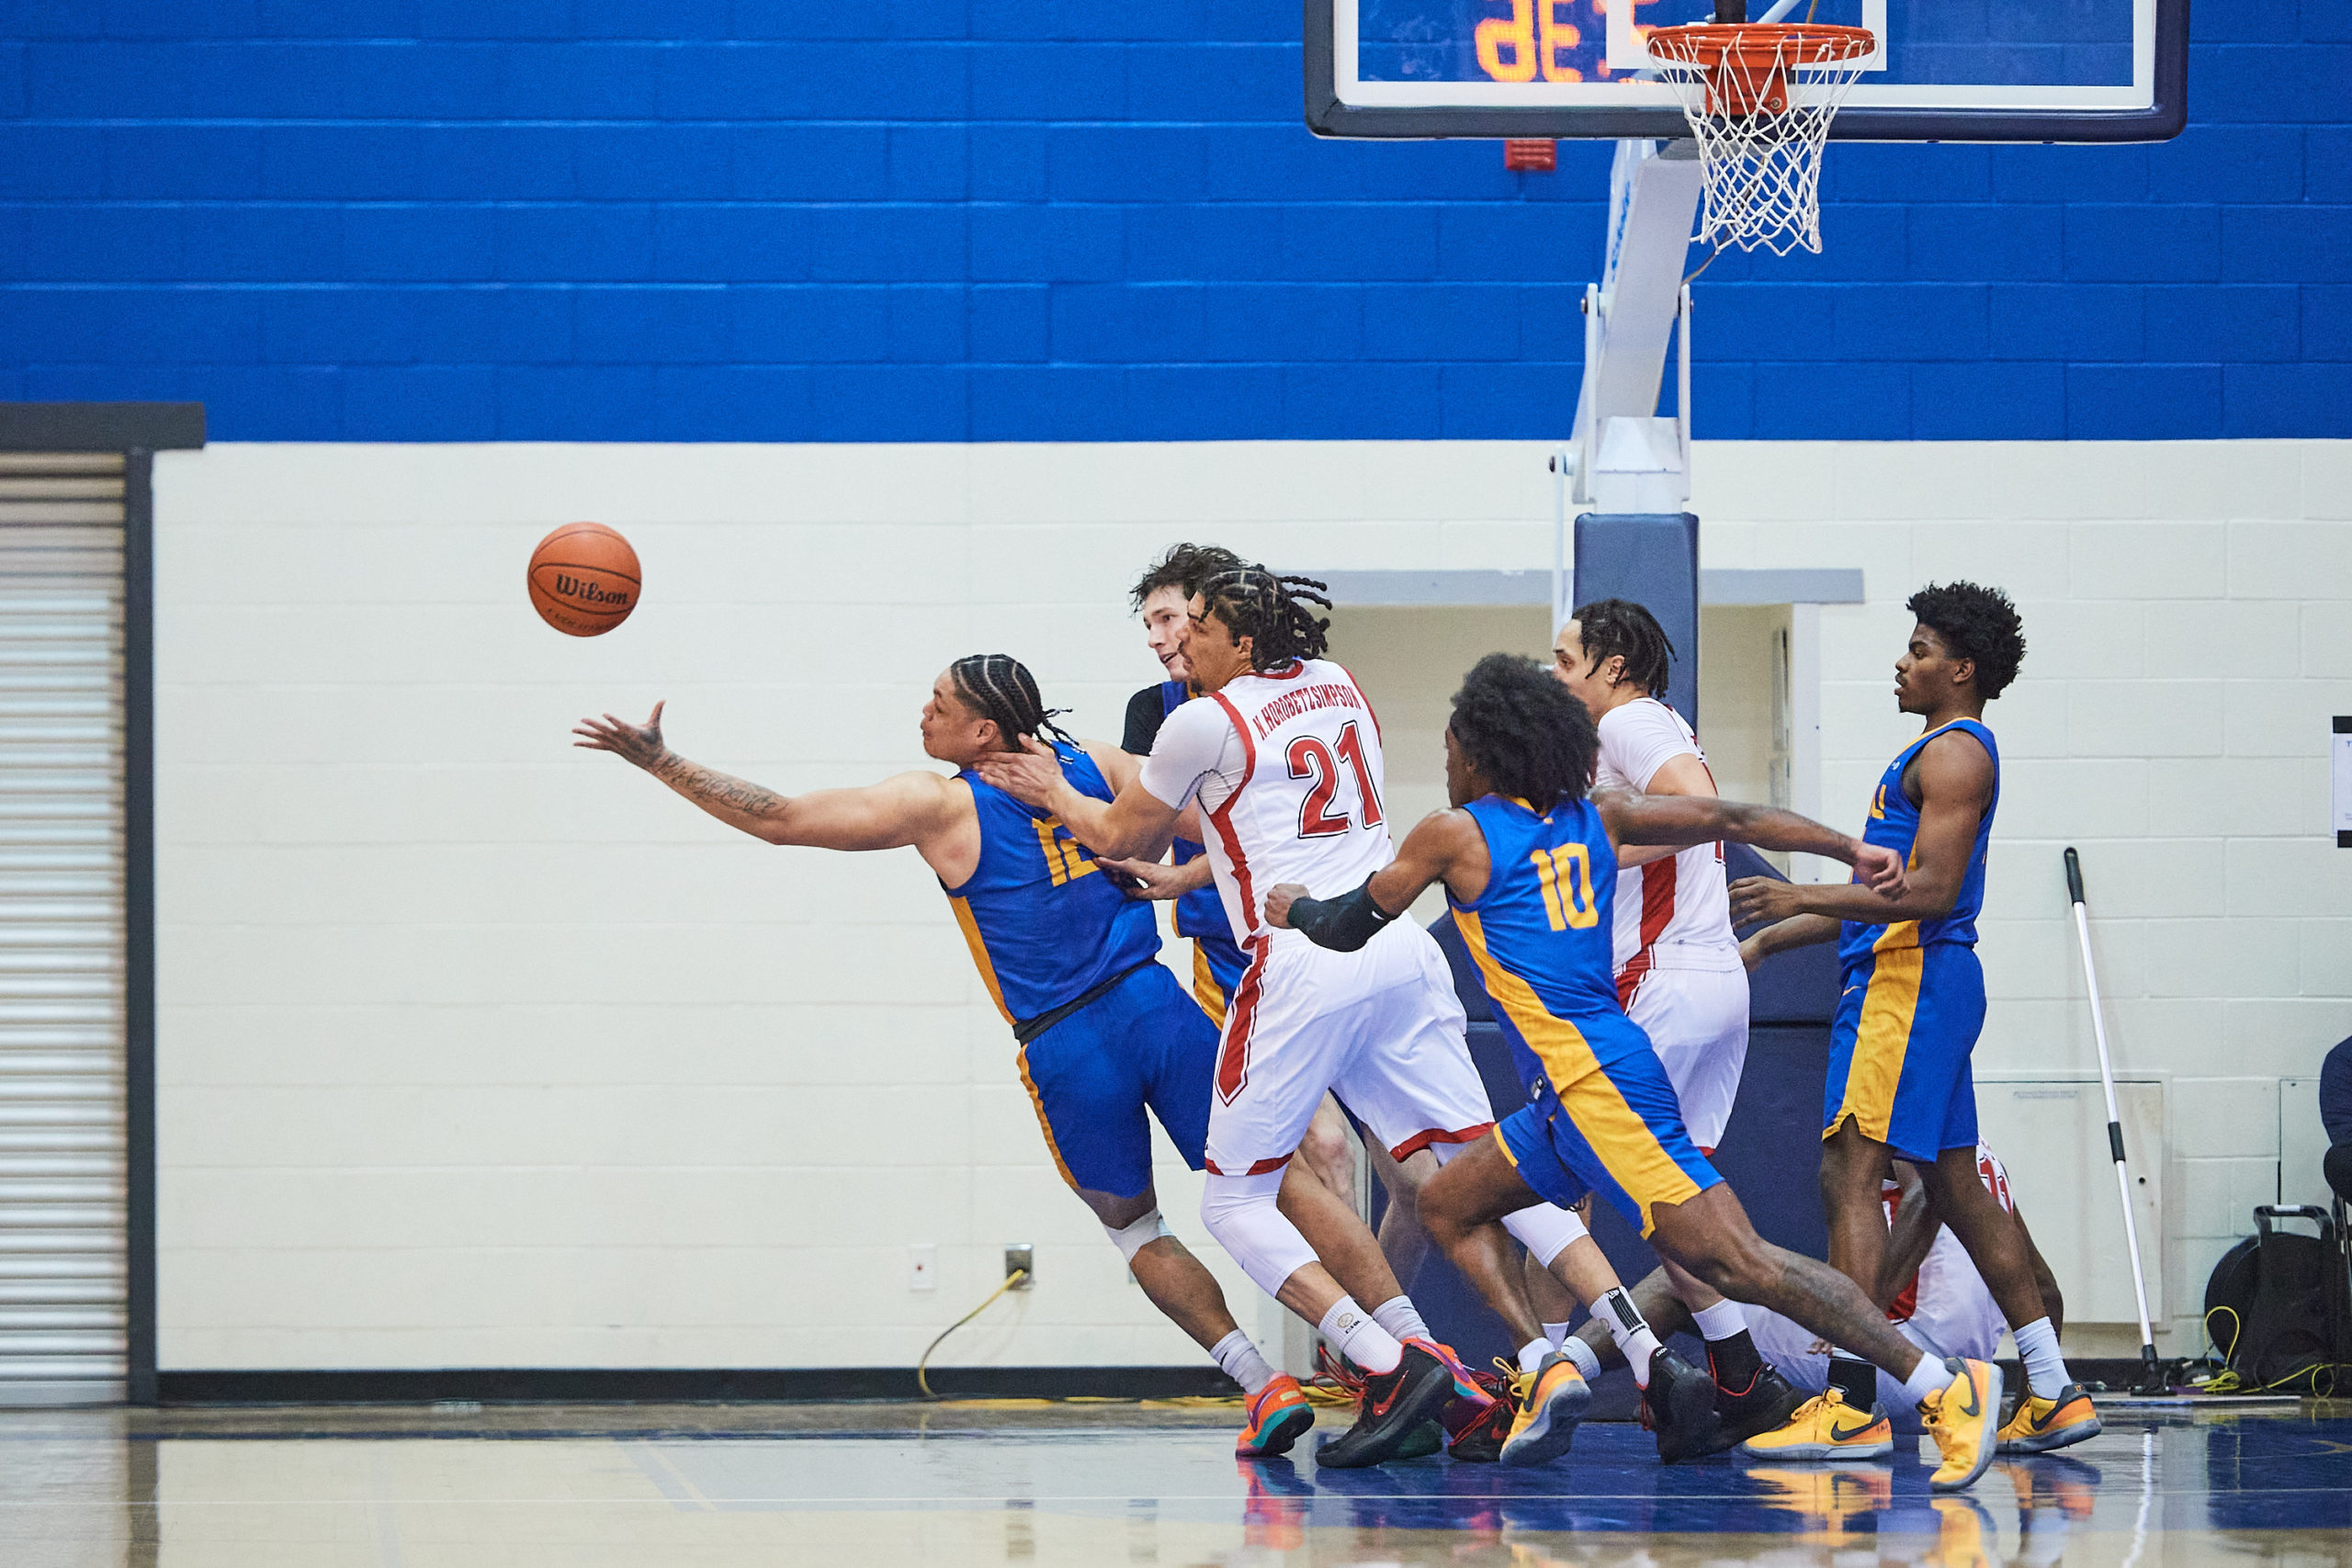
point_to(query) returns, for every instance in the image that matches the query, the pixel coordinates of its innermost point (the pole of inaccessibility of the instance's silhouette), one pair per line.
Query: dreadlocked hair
(1273, 611)
(1184, 568)
(1524, 731)
(1001, 687)
(1975, 623)
(1608, 627)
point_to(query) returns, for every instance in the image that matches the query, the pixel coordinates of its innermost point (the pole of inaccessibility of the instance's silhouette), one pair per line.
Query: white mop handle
(2107, 1082)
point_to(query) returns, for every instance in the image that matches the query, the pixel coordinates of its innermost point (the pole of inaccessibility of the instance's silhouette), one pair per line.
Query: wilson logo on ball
(584, 578)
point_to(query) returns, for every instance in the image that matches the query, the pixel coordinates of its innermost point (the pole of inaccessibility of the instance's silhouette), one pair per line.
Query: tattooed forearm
(710, 788)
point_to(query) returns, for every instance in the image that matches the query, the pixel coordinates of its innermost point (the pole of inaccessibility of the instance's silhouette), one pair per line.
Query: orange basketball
(583, 579)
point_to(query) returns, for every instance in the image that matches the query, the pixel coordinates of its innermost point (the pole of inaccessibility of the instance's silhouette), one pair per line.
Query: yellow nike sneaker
(1550, 1400)
(2041, 1425)
(1964, 1418)
(1825, 1426)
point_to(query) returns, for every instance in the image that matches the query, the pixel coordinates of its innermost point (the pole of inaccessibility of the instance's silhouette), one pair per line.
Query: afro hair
(1525, 731)
(1976, 623)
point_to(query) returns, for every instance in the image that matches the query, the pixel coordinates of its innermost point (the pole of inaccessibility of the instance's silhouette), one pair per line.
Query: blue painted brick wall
(1057, 219)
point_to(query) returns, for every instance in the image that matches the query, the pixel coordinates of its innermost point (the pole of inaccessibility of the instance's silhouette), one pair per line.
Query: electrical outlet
(922, 1266)
(1021, 1256)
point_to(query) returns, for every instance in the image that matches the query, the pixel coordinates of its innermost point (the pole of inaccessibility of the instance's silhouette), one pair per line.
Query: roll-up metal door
(63, 1335)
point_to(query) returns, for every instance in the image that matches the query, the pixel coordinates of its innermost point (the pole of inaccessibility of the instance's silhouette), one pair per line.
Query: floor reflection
(733, 1485)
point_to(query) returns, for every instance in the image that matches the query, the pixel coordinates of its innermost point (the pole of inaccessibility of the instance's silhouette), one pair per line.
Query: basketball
(584, 580)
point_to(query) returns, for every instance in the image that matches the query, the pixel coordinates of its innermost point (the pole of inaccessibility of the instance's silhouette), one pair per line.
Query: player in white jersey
(1679, 969)
(1283, 756)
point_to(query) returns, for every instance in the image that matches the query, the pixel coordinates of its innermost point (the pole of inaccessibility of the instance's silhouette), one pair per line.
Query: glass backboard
(1943, 70)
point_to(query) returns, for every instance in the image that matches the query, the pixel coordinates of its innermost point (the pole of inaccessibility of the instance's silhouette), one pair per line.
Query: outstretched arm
(1955, 780)
(1799, 931)
(1633, 818)
(910, 808)
(1441, 848)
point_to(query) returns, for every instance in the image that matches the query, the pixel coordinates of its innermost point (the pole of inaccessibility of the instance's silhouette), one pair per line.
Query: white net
(1759, 99)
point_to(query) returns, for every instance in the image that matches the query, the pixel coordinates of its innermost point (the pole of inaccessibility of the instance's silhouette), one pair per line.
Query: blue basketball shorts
(1614, 1129)
(1907, 1020)
(1217, 964)
(1144, 1042)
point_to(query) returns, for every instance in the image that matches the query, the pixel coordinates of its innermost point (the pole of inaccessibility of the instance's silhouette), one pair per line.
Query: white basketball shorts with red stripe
(1380, 1027)
(1697, 1021)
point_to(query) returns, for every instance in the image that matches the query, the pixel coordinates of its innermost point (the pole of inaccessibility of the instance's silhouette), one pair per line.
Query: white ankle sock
(1577, 1350)
(1401, 1318)
(1929, 1376)
(1558, 1333)
(1241, 1361)
(1721, 1321)
(2045, 1369)
(1353, 1332)
(1531, 1354)
(1630, 1329)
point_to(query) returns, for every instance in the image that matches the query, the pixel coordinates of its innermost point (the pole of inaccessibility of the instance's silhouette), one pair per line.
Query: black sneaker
(1764, 1406)
(1395, 1404)
(1680, 1407)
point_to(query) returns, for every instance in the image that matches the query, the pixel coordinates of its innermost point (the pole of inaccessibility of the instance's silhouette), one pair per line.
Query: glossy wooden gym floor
(1005, 1483)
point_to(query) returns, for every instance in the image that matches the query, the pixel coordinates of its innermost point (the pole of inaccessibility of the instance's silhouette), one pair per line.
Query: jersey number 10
(1310, 759)
(1566, 876)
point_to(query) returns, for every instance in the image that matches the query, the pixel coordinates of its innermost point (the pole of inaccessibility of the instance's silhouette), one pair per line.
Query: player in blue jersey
(1911, 1002)
(1104, 1029)
(1529, 864)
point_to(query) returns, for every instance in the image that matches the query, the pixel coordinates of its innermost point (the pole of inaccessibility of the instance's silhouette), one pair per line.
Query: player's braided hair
(1184, 568)
(1975, 623)
(1524, 731)
(1275, 611)
(1001, 687)
(1611, 626)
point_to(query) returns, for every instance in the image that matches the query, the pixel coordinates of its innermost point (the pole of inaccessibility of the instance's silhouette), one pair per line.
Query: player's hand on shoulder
(1279, 898)
(1756, 899)
(1029, 776)
(638, 743)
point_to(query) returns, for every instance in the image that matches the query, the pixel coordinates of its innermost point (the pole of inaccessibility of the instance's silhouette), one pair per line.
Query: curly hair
(1184, 568)
(999, 688)
(1975, 623)
(1610, 626)
(1523, 730)
(1273, 611)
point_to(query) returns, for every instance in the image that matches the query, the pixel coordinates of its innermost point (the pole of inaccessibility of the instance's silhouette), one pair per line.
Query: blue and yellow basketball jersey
(1895, 823)
(1542, 937)
(1045, 926)
(1199, 912)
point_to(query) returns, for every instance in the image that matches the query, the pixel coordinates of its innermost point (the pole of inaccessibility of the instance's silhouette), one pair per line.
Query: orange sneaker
(1278, 1415)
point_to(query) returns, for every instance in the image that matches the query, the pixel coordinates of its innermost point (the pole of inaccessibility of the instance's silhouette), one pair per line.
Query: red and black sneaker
(1395, 1403)
(1477, 1431)
(1764, 1406)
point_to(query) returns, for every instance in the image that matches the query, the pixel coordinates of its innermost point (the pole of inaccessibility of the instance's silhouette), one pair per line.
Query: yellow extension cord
(922, 1361)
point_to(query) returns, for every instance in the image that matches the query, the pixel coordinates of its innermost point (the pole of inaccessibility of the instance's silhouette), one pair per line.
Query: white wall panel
(475, 1049)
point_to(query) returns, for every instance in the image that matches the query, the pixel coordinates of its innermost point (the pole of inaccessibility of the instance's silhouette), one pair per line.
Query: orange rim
(1758, 44)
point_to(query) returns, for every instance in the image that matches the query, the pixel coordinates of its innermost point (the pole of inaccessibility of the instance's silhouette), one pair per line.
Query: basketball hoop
(1759, 97)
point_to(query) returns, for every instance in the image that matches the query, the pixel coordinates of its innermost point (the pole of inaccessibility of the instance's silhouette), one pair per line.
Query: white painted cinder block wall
(475, 1049)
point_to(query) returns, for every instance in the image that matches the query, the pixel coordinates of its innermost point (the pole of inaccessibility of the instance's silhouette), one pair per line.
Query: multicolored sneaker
(1551, 1401)
(1394, 1404)
(1273, 1418)
(1679, 1405)
(2041, 1425)
(1963, 1417)
(1477, 1431)
(1825, 1426)
(1466, 1383)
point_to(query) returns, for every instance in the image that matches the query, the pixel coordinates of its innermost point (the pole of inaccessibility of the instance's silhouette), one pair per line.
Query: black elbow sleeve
(1342, 924)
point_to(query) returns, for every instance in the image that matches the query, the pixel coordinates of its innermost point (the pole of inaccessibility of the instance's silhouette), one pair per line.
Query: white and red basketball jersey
(1948, 1299)
(1675, 912)
(1288, 770)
